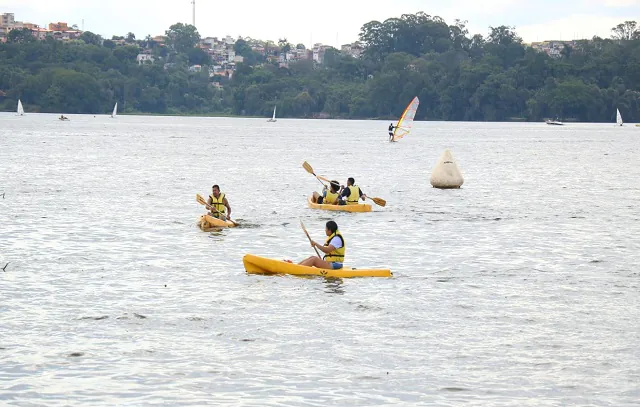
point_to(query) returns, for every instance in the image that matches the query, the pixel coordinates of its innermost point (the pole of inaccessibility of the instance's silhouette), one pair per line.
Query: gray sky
(330, 21)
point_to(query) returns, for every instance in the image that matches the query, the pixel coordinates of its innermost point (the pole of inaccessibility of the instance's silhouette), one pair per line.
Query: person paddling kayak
(391, 127)
(351, 193)
(328, 197)
(334, 249)
(219, 201)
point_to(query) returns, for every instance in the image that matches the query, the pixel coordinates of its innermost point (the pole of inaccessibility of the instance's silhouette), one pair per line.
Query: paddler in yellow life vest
(334, 249)
(328, 197)
(219, 201)
(352, 193)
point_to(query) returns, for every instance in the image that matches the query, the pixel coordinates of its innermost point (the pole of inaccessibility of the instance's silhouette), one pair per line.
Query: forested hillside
(458, 76)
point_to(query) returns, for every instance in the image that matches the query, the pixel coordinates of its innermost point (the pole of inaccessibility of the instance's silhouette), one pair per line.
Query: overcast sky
(328, 21)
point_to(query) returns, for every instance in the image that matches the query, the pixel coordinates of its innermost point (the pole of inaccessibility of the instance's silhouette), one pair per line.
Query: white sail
(406, 120)
(115, 110)
(273, 119)
(20, 108)
(618, 118)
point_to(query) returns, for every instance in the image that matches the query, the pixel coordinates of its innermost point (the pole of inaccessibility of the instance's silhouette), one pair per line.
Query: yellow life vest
(218, 204)
(330, 198)
(354, 195)
(336, 256)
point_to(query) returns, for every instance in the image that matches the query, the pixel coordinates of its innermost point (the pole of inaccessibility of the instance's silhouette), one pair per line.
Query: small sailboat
(115, 111)
(20, 108)
(406, 120)
(273, 119)
(555, 122)
(619, 121)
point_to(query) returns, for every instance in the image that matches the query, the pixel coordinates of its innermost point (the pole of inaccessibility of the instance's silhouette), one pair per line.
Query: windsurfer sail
(406, 120)
(619, 121)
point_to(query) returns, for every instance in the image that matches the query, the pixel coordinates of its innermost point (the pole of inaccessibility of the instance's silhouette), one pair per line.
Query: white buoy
(446, 173)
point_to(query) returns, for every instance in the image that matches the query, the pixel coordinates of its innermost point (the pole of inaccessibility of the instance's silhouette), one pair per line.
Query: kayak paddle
(309, 169)
(309, 237)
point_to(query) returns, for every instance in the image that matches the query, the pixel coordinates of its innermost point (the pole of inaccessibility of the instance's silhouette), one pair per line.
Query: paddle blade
(308, 168)
(379, 201)
(200, 199)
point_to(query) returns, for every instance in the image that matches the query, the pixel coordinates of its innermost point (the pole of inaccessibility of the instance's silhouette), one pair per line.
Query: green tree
(182, 37)
(626, 31)
(20, 36)
(503, 35)
(304, 104)
(90, 38)
(198, 56)
(284, 45)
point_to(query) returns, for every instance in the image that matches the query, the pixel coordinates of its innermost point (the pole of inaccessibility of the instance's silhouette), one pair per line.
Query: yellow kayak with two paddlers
(344, 208)
(261, 265)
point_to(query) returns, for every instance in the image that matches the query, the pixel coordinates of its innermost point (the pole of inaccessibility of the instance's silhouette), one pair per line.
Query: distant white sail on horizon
(619, 121)
(273, 119)
(115, 110)
(20, 108)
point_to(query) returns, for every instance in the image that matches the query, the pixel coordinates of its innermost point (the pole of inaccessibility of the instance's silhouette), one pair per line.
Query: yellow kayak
(260, 265)
(207, 222)
(345, 208)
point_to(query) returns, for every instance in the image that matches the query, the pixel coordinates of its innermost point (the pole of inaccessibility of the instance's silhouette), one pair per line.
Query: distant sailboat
(115, 111)
(555, 122)
(20, 108)
(619, 121)
(273, 119)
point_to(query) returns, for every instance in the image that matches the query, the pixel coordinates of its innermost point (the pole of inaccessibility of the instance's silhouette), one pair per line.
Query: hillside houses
(221, 50)
(354, 50)
(552, 48)
(59, 31)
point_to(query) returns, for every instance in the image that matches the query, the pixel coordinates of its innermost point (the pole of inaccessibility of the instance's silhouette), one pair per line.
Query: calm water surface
(519, 289)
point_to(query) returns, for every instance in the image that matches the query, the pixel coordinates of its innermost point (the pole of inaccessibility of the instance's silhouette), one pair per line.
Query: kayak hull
(207, 222)
(261, 265)
(343, 208)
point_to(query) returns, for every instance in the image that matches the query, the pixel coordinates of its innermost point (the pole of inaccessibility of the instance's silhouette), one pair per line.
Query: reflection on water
(334, 286)
(517, 289)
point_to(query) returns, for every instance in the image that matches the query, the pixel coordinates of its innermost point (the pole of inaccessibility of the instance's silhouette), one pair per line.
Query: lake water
(520, 288)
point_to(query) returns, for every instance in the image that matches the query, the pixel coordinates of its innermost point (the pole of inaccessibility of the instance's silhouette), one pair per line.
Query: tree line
(456, 75)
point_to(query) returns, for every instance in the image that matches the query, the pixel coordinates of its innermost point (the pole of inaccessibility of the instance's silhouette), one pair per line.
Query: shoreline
(232, 116)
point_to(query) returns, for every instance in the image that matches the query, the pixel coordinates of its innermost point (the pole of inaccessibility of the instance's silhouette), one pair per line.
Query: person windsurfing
(391, 127)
